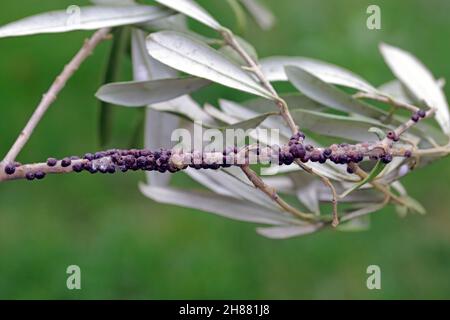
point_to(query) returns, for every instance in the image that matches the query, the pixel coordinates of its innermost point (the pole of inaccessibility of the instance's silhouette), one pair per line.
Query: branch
(49, 97)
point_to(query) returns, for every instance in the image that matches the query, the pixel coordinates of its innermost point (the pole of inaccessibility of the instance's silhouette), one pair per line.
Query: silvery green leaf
(141, 93)
(239, 13)
(263, 17)
(274, 69)
(203, 177)
(347, 127)
(158, 125)
(395, 89)
(399, 188)
(402, 211)
(227, 207)
(82, 18)
(191, 9)
(413, 204)
(286, 232)
(187, 107)
(176, 22)
(328, 95)
(363, 211)
(309, 196)
(251, 123)
(240, 189)
(236, 110)
(294, 101)
(189, 55)
(355, 225)
(419, 80)
(219, 115)
(327, 171)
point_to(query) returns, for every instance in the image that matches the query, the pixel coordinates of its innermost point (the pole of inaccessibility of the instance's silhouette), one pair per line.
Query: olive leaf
(397, 90)
(158, 125)
(419, 80)
(377, 169)
(286, 232)
(358, 224)
(87, 18)
(239, 13)
(274, 69)
(328, 95)
(141, 93)
(207, 201)
(347, 127)
(191, 9)
(293, 100)
(410, 204)
(239, 189)
(262, 16)
(189, 55)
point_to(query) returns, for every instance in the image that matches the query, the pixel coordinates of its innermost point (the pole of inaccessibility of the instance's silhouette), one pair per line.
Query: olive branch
(362, 174)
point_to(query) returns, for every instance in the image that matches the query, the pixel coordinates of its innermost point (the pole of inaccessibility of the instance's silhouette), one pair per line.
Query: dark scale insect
(10, 169)
(51, 162)
(66, 162)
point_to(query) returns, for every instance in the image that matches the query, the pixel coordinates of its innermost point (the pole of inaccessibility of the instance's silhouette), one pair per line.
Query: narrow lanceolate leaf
(293, 100)
(84, 18)
(419, 80)
(356, 225)
(347, 127)
(263, 17)
(286, 232)
(379, 166)
(191, 9)
(252, 123)
(189, 55)
(273, 68)
(397, 90)
(121, 36)
(413, 204)
(142, 93)
(227, 207)
(158, 126)
(328, 95)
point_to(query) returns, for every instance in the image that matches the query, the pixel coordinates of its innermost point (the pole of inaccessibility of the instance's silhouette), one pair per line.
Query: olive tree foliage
(340, 112)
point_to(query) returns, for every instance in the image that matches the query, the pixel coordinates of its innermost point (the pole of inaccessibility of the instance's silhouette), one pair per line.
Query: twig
(253, 66)
(52, 93)
(272, 193)
(387, 100)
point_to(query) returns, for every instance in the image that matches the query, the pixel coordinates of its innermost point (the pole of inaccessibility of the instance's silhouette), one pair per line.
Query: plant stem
(272, 193)
(49, 97)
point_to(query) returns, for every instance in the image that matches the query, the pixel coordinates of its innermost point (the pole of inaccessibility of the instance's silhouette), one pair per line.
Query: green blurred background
(130, 247)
